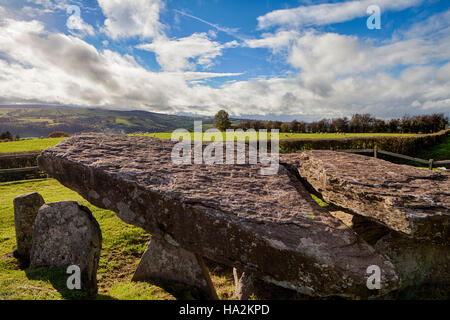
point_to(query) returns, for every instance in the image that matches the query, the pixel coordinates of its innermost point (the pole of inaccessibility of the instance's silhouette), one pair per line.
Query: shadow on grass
(179, 290)
(58, 278)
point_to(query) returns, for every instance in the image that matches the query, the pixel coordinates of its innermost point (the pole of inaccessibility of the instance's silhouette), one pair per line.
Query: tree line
(7, 136)
(358, 123)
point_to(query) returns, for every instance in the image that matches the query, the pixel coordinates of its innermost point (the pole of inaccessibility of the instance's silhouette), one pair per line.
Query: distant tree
(6, 136)
(17, 137)
(245, 125)
(58, 134)
(406, 124)
(258, 125)
(297, 127)
(393, 125)
(222, 120)
(294, 126)
(379, 126)
(284, 127)
(268, 125)
(339, 125)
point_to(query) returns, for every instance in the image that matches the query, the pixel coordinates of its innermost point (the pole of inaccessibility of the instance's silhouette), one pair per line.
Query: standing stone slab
(169, 262)
(67, 234)
(26, 208)
(404, 198)
(268, 226)
(244, 285)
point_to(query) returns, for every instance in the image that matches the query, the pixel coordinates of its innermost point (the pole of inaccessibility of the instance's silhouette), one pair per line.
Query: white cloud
(275, 41)
(126, 18)
(327, 13)
(77, 73)
(338, 75)
(185, 53)
(330, 55)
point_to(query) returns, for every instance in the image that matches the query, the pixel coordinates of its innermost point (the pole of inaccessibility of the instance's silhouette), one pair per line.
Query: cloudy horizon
(275, 60)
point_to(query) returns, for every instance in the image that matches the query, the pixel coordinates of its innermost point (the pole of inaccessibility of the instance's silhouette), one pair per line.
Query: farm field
(29, 145)
(122, 248)
(41, 144)
(208, 136)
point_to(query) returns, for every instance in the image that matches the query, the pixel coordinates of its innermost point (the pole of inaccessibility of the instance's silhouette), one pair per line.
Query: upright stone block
(26, 208)
(167, 261)
(67, 234)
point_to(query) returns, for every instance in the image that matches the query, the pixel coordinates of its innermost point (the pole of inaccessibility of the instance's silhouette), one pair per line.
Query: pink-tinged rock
(265, 225)
(404, 198)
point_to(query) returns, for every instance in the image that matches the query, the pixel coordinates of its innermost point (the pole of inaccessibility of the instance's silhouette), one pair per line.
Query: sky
(259, 59)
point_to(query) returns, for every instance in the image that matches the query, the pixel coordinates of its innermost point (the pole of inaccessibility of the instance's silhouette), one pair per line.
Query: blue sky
(261, 59)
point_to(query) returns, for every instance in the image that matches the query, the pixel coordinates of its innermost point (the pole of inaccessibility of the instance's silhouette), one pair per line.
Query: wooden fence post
(375, 152)
(430, 166)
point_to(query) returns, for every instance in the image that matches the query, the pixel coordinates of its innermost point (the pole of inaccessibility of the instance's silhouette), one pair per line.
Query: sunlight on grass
(41, 144)
(29, 145)
(122, 247)
(241, 136)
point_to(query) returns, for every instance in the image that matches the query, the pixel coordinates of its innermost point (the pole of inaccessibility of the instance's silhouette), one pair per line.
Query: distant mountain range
(39, 121)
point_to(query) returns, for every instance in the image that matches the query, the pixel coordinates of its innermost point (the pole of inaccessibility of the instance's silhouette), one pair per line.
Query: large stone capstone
(407, 199)
(268, 226)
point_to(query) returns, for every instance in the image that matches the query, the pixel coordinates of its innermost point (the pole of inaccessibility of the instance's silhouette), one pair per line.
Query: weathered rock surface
(67, 234)
(266, 225)
(164, 260)
(404, 198)
(422, 265)
(26, 208)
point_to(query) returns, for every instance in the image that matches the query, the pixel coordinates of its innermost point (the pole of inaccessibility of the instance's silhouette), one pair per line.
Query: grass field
(122, 248)
(28, 145)
(208, 136)
(438, 152)
(41, 144)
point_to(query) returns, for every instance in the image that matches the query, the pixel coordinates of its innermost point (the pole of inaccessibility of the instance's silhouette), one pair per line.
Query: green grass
(28, 145)
(122, 248)
(41, 144)
(209, 136)
(437, 152)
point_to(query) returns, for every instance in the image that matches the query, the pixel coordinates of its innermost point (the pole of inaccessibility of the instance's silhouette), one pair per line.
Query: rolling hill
(39, 121)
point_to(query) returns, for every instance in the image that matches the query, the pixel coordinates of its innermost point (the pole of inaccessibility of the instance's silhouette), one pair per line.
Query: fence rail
(19, 170)
(431, 163)
(9, 156)
(19, 166)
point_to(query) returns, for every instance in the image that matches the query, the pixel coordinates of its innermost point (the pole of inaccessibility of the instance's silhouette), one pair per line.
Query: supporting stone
(164, 260)
(26, 208)
(244, 285)
(423, 266)
(248, 286)
(66, 234)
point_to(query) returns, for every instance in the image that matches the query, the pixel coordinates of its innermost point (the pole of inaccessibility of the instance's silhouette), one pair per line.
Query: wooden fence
(18, 172)
(431, 162)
